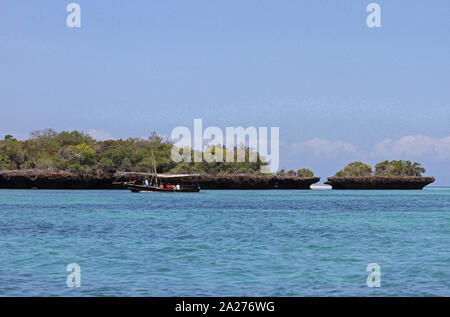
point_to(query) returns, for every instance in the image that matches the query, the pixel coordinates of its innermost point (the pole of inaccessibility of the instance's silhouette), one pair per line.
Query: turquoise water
(224, 243)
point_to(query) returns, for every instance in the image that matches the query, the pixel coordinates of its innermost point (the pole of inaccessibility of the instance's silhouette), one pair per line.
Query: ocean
(225, 243)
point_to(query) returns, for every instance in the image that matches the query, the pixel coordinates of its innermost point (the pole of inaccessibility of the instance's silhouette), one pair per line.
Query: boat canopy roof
(158, 175)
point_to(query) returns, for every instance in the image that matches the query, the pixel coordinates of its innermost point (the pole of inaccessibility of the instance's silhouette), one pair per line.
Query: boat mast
(154, 167)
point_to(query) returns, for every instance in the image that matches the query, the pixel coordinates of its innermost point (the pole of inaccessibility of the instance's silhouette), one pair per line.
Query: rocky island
(387, 175)
(379, 182)
(41, 179)
(74, 160)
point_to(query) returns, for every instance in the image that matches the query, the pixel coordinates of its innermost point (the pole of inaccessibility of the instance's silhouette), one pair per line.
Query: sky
(338, 90)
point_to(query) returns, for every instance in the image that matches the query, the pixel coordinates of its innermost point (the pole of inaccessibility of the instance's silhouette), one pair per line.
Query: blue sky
(338, 90)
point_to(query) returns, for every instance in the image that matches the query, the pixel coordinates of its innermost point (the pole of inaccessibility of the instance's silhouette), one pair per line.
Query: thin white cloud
(414, 146)
(322, 147)
(407, 147)
(100, 135)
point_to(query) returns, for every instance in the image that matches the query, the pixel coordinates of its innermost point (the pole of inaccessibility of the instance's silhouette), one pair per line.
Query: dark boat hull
(142, 188)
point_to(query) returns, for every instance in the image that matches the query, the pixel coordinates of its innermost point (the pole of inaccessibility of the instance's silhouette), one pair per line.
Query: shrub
(355, 169)
(399, 169)
(304, 172)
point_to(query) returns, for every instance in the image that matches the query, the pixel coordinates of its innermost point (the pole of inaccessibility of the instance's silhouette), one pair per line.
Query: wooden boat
(161, 182)
(183, 189)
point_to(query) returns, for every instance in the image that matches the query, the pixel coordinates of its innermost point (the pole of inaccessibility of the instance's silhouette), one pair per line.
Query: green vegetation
(302, 172)
(355, 169)
(79, 153)
(399, 168)
(385, 168)
(291, 173)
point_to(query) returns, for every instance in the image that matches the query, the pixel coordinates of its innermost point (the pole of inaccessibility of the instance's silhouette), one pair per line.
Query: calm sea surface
(220, 243)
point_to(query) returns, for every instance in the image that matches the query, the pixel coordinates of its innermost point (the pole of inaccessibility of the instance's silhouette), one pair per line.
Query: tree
(304, 172)
(74, 138)
(9, 137)
(78, 155)
(44, 133)
(107, 165)
(418, 169)
(78, 152)
(12, 153)
(382, 168)
(355, 169)
(398, 169)
(291, 173)
(154, 137)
